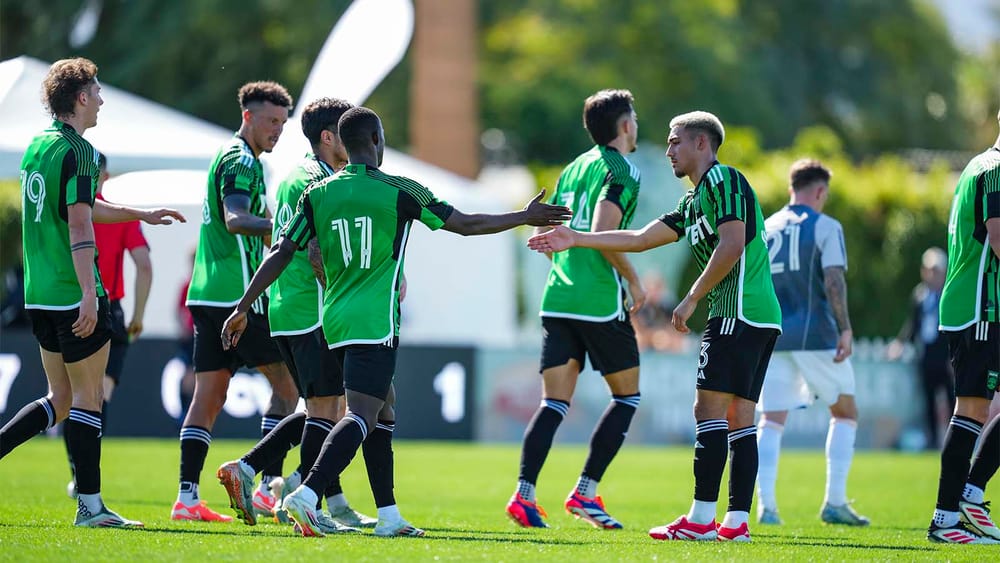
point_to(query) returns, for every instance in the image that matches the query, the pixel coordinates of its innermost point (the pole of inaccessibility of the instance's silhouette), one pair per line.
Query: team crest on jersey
(284, 216)
(206, 213)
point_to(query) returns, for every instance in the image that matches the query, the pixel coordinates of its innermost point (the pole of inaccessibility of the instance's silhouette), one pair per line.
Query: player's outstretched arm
(105, 212)
(535, 213)
(656, 233)
(732, 240)
(274, 263)
(239, 219)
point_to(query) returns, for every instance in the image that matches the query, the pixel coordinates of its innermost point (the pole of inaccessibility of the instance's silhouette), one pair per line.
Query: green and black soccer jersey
(225, 262)
(583, 285)
(723, 195)
(972, 288)
(361, 218)
(296, 297)
(58, 170)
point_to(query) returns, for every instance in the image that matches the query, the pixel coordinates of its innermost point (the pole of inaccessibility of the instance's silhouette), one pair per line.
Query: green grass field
(457, 493)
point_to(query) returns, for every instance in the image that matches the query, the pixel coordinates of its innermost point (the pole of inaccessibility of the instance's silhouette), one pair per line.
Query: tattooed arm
(836, 293)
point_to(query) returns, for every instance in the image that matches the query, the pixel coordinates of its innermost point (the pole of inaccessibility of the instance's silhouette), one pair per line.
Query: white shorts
(797, 378)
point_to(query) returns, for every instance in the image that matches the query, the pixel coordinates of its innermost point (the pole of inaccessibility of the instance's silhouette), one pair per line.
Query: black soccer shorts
(975, 355)
(610, 345)
(255, 348)
(368, 368)
(734, 357)
(315, 367)
(54, 331)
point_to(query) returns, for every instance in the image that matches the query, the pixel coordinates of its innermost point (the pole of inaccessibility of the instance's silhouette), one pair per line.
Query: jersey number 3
(776, 240)
(364, 226)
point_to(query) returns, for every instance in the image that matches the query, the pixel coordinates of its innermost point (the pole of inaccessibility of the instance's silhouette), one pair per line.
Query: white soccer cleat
(105, 518)
(304, 514)
(958, 533)
(399, 528)
(977, 516)
(347, 516)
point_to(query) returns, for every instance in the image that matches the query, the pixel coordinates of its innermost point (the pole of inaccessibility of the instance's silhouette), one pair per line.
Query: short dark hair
(66, 79)
(702, 122)
(264, 91)
(102, 161)
(806, 171)
(601, 112)
(321, 115)
(356, 127)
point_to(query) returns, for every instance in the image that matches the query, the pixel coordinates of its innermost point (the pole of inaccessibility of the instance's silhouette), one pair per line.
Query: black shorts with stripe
(314, 366)
(975, 355)
(734, 357)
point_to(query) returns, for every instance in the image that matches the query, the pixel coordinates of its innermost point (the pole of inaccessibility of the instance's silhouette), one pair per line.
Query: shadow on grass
(846, 544)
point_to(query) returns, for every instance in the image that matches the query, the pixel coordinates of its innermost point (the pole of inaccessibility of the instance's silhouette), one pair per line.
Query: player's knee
(61, 403)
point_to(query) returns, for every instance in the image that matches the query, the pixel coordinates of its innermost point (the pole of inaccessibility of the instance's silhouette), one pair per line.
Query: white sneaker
(329, 525)
(397, 528)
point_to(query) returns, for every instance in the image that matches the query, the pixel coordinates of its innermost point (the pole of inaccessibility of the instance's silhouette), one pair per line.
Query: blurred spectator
(921, 329)
(185, 345)
(653, 330)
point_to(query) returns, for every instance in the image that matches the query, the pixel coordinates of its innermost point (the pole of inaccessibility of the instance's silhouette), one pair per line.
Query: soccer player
(970, 318)
(66, 301)
(230, 247)
(113, 240)
(723, 223)
(294, 316)
(361, 218)
(584, 312)
(812, 355)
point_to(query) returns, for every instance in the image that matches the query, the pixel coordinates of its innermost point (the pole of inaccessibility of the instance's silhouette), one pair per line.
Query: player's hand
(894, 350)
(845, 346)
(556, 240)
(637, 295)
(233, 329)
(542, 214)
(402, 289)
(134, 329)
(86, 322)
(163, 216)
(682, 313)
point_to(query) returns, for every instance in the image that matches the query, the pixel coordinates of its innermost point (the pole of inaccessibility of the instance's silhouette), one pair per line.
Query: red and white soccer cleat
(739, 534)
(977, 516)
(682, 529)
(200, 511)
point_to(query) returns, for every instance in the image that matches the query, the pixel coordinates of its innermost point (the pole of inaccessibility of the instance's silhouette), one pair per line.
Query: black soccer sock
(269, 424)
(538, 437)
(313, 435)
(83, 433)
(195, 441)
(271, 449)
(709, 458)
(32, 419)
(958, 445)
(338, 450)
(377, 451)
(742, 468)
(69, 454)
(988, 458)
(609, 435)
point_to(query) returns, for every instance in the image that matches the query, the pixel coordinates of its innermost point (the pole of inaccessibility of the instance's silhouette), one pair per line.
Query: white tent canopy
(135, 133)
